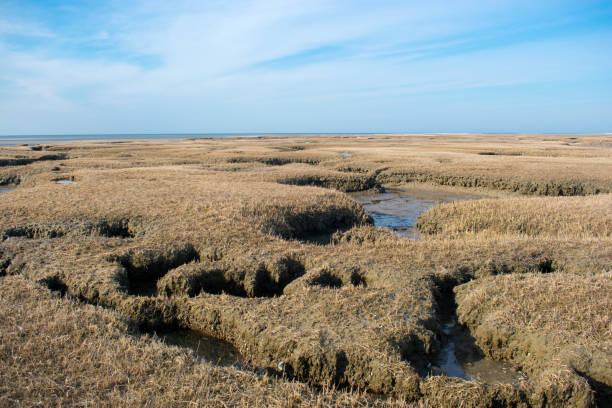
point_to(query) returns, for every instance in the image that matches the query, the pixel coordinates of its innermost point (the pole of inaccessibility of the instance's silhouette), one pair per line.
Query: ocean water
(40, 139)
(7, 140)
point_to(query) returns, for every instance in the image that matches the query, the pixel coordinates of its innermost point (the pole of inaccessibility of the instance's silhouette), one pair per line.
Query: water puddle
(206, 348)
(64, 181)
(397, 209)
(460, 357)
(6, 189)
(345, 154)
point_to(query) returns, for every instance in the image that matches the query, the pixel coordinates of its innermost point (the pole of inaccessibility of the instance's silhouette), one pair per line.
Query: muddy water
(207, 348)
(397, 209)
(461, 357)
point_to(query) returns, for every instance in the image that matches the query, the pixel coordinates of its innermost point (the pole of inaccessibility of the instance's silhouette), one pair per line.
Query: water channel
(397, 209)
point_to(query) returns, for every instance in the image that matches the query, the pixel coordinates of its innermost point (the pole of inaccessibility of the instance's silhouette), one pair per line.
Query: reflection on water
(460, 357)
(64, 181)
(397, 209)
(6, 189)
(208, 348)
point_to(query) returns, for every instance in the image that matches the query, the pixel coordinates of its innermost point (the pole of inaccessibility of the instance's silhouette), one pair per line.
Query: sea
(9, 140)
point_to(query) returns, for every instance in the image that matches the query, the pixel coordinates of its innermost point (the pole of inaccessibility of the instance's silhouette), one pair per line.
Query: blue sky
(305, 66)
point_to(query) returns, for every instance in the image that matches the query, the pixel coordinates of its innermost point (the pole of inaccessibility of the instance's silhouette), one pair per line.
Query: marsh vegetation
(254, 271)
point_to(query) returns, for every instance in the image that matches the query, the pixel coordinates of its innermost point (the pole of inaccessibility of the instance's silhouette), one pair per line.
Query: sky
(99, 67)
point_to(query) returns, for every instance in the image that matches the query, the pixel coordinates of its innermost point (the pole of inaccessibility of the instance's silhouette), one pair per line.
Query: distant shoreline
(10, 140)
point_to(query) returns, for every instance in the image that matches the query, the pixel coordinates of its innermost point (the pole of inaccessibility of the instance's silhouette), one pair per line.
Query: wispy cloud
(302, 65)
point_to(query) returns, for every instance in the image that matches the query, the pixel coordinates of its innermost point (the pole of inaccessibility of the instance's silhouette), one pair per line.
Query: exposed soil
(22, 161)
(522, 186)
(242, 279)
(121, 228)
(205, 347)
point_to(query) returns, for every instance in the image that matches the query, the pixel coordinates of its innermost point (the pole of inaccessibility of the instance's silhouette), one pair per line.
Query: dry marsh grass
(542, 321)
(60, 352)
(558, 216)
(252, 241)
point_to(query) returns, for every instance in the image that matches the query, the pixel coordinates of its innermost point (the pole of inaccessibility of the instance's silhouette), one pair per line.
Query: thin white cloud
(28, 29)
(205, 80)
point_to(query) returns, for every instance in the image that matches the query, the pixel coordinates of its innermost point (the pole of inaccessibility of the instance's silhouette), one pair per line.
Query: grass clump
(560, 216)
(542, 321)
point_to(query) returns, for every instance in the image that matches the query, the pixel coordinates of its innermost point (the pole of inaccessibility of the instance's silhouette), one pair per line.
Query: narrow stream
(397, 209)
(461, 357)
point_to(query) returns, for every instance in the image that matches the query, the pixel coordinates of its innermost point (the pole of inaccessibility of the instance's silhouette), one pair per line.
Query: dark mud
(397, 209)
(22, 161)
(517, 185)
(117, 228)
(178, 271)
(207, 348)
(145, 266)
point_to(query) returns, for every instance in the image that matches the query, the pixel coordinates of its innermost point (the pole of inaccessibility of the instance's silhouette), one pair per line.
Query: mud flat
(215, 237)
(397, 210)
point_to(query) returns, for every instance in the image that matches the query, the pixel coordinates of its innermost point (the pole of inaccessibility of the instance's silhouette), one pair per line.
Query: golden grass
(223, 236)
(59, 352)
(579, 217)
(536, 164)
(538, 321)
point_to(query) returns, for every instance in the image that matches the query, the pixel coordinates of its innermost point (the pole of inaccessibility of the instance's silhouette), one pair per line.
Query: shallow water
(397, 209)
(6, 189)
(64, 182)
(207, 348)
(344, 154)
(461, 357)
